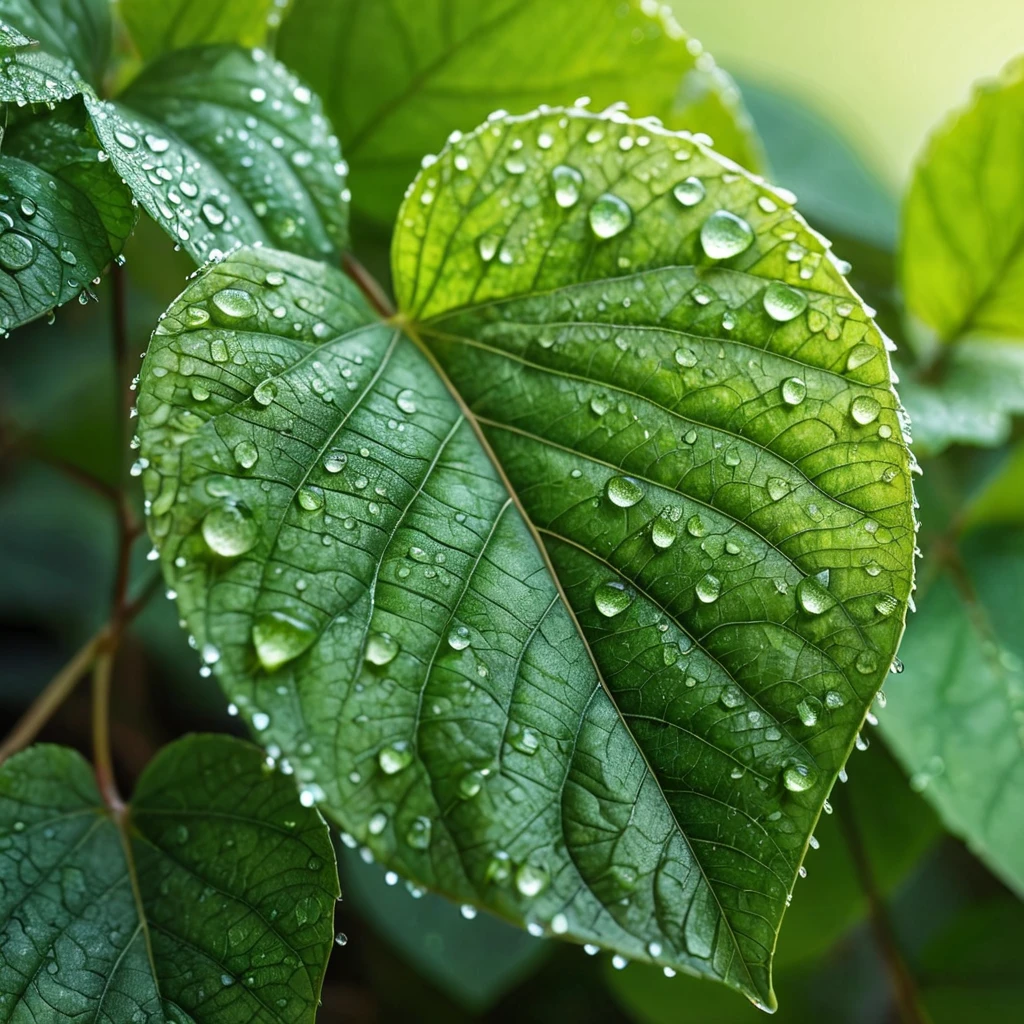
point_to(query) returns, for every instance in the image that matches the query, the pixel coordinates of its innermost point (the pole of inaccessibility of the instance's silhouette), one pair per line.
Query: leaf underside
(567, 590)
(212, 904)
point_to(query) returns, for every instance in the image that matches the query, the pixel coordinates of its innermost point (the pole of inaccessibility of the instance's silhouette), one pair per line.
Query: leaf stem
(900, 978)
(55, 693)
(101, 752)
(368, 285)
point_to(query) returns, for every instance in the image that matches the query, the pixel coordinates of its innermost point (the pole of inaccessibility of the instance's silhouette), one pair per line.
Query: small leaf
(414, 70)
(223, 147)
(962, 259)
(66, 215)
(74, 30)
(955, 720)
(582, 629)
(29, 75)
(176, 24)
(212, 901)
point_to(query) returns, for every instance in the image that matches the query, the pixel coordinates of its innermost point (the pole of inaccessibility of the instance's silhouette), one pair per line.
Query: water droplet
(381, 648)
(610, 216)
(619, 962)
(623, 491)
(470, 784)
(612, 598)
(886, 605)
(257, 95)
(524, 740)
(230, 530)
(334, 462)
(689, 192)
(468, 911)
(340, 939)
(234, 304)
(867, 662)
(813, 597)
(794, 390)
(695, 526)
(246, 454)
(724, 235)
(807, 710)
(686, 357)
(567, 185)
(865, 409)
(458, 638)
(663, 532)
(311, 498)
(418, 834)
(265, 392)
(499, 868)
(406, 401)
(487, 246)
(708, 588)
(777, 488)
(783, 303)
(798, 777)
(279, 638)
(531, 880)
(377, 823)
(394, 758)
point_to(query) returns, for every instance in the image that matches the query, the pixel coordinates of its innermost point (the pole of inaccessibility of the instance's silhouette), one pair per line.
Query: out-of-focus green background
(844, 93)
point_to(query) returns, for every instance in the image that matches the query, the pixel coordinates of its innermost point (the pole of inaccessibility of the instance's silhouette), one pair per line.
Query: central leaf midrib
(410, 330)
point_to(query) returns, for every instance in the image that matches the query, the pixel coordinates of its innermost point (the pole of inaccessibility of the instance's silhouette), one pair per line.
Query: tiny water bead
(724, 235)
(798, 778)
(16, 251)
(531, 881)
(279, 638)
(246, 454)
(686, 357)
(612, 598)
(689, 192)
(487, 246)
(709, 588)
(470, 784)
(381, 648)
(783, 303)
(265, 392)
(663, 533)
(230, 530)
(418, 833)
(311, 498)
(394, 758)
(567, 185)
(813, 597)
(864, 409)
(458, 638)
(609, 216)
(623, 491)
(794, 390)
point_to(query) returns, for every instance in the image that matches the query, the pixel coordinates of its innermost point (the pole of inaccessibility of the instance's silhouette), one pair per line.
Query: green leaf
(176, 24)
(475, 963)
(979, 391)
(223, 146)
(75, 30)
(66, 216)
(397, 77)
(955, 720)
(29, 75)
(963, 232)
(1001, 500)
(210, 900)
(581, 630)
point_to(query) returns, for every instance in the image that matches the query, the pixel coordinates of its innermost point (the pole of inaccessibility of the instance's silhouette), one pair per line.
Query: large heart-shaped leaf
(396, 77)
(567, 589)
(224, 146)
(209, 901)
(77, 30)
(175, 24)
(65, 213)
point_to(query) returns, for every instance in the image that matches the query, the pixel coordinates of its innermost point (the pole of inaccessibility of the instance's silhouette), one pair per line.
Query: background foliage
(912, 896)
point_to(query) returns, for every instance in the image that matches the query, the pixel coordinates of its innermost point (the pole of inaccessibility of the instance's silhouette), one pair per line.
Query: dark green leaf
(223, 146)
(211, 900)
(585, 635)
(397, 77)
(76, 30)
(176, 24)
(29, 75)
(956, 719)
(65, 213)
(475, 961)
(963, 233)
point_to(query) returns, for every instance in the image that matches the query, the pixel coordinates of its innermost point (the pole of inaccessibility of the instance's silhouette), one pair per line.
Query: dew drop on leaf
(612, 598)
(794, 390)
(610, 216)
(567, 185)
(663, 532)
(458, 638)
(708, 588)
(724, 235)
(623, 491)
(864, 409)
(381, 648)
(783, 303)
(418, 833)
(813, 597)
(279, 638)
(230, 530)
(246, 454)
(234, 304)
(394, 758)
(531, 880)
(798, 777)
(689, 192)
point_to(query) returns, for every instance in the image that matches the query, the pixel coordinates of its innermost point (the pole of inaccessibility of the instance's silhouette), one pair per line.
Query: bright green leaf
(963, 233)
(176, 24)
(210, 901)
(397, 77)
(956, 719)
(581, 630)
(29, 75)
(76, 30)
(1001, 500)
(224, 146)
(66, 215)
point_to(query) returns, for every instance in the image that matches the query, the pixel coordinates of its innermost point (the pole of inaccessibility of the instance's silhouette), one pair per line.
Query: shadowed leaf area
(565, 591)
